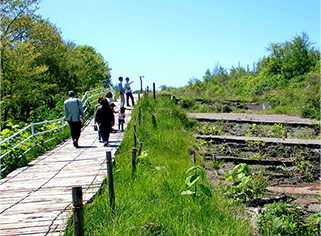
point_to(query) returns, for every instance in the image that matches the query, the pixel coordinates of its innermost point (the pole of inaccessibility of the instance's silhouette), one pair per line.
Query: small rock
(314, 208)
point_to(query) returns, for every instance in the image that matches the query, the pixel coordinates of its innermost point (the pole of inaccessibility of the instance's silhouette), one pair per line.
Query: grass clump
(150, 202)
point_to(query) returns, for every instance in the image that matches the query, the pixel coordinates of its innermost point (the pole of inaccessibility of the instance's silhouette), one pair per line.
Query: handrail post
(33, 134)
(63, 126)
(110, 180)
(78, 218)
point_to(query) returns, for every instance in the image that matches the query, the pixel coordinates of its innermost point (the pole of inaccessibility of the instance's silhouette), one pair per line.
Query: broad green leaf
(205, 190)
(202, 173)
(187, 192)
(191, 169)
(241, 176)
(5, 131)
(228, 178)
(229, 172)
(245, 180)
(190, 180)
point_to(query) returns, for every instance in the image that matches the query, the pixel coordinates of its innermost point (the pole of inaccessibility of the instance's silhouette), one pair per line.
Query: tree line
(288, 78)
(38, 67)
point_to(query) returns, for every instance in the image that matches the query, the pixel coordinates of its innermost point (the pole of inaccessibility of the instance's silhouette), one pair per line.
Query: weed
(245, 186)
(304, 168)
(192, 181)
(281, 218)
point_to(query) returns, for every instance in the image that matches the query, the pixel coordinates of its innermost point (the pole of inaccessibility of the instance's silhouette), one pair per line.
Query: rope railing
(76, 210)
(69, 214)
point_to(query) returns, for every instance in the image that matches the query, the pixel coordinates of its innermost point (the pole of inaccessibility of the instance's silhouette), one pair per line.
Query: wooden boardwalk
(36, 199)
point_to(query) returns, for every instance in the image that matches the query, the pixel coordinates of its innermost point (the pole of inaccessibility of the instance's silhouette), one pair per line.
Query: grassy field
(150, 202)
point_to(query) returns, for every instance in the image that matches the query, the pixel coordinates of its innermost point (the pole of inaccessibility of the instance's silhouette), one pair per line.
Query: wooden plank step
(237, 160)
(242, 139)
(254, 118)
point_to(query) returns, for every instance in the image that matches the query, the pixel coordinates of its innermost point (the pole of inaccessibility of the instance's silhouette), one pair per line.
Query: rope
(94, 178)
(91, 183)
(102, 165)
(69, 214)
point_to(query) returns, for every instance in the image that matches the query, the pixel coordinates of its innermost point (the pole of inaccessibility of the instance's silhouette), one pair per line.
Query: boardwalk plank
(36, 199)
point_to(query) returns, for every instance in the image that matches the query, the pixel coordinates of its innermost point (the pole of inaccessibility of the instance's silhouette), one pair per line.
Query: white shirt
(127, 87)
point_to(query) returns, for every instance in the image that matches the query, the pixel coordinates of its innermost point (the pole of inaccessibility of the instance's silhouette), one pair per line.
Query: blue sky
(171, 41)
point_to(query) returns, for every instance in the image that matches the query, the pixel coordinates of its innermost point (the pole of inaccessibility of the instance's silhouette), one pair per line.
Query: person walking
(74, 112)
(121, 92)
(105, 119)
(121, 118)
(95, 124)
(128, 91)
(109, 96)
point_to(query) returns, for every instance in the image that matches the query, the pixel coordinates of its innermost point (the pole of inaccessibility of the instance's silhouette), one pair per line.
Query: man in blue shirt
(121, 92)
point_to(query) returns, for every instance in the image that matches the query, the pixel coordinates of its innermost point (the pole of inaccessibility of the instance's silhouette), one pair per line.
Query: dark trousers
(130, 95)
(75, 128)
(105, 134)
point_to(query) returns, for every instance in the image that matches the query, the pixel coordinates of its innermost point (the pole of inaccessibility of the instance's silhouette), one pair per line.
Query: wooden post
(138, 96)
(110, 180)
(154, 121)
(134, 151)
(78, 218)
(135, 139)
(154, 94)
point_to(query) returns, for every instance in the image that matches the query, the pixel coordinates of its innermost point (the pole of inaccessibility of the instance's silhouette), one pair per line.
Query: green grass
(150, 202)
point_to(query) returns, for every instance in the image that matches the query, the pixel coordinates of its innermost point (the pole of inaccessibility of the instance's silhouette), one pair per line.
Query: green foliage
(38, 68)
(192, 180)
(287, 219)
(245, 186)
(21, 155)
(288, 78)
(303, 167)
(226, 108)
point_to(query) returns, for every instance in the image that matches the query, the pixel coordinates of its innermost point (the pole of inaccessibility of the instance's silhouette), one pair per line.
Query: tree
(95, 69)
(291, 59)
(38, 67)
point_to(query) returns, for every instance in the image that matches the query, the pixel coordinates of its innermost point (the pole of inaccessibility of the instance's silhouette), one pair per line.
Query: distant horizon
(172, 42)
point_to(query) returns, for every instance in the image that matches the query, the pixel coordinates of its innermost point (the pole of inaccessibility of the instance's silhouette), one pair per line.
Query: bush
(287, 219)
